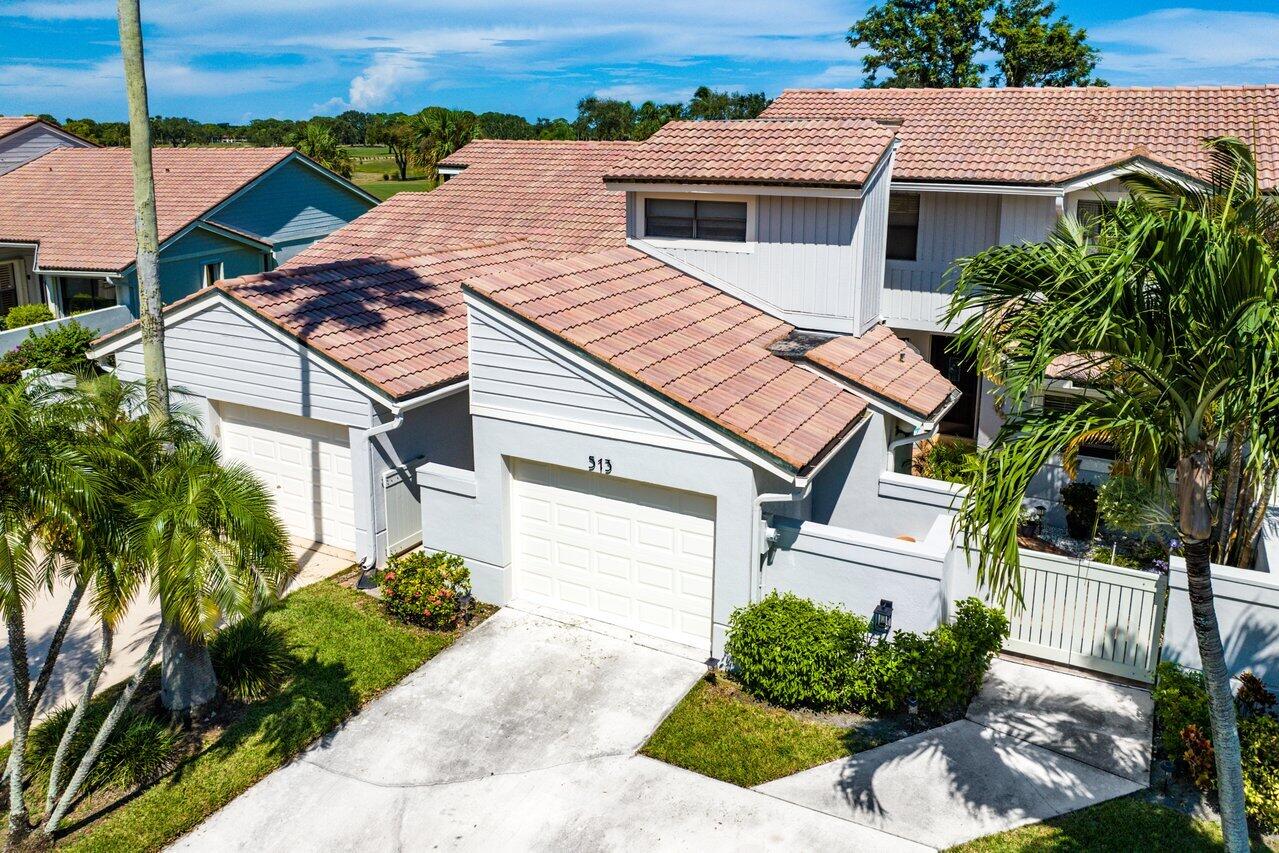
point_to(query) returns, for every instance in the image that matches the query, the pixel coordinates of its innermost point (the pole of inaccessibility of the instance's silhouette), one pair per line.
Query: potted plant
(1080, 501)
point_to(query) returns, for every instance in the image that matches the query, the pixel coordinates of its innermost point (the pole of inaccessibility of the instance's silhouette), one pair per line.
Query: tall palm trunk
(18, 826)
(99, 741)
(77, 717)
(187, 680)
(148, 232)
(1194, 482)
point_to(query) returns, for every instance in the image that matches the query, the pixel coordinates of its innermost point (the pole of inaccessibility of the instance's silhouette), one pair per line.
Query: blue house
(67, 234)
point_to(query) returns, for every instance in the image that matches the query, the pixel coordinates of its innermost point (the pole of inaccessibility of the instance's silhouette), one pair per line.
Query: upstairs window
(212, 273)
(1090, 212)
(903, 226)
(695, 220)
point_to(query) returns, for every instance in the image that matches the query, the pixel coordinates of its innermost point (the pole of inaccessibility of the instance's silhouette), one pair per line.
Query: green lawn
(719, 731)
(386, 189)
(347, 651)
(1125, 825)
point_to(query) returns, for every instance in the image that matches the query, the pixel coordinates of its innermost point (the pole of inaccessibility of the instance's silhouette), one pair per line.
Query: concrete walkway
(80, 648)
(1037, 743)
(522, 736)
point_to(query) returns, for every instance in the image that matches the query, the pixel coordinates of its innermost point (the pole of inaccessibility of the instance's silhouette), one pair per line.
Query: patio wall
(1247, 604)
(100, 321)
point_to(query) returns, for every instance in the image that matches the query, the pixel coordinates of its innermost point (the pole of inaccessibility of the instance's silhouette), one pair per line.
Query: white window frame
(693, 242)
(206, 281)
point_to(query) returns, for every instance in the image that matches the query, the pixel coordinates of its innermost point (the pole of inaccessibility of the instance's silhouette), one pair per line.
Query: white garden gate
(1090, 615)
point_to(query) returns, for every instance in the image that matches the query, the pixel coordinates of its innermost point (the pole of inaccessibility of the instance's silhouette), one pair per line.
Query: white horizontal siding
(803, 265)
(951, 226)
(219, 355)
(30, 143)
(519, 376)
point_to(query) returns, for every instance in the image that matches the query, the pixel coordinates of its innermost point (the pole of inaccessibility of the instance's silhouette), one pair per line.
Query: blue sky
(234, 60)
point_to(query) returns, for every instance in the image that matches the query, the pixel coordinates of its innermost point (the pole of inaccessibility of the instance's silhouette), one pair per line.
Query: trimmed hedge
(21, 316)
(793, 652)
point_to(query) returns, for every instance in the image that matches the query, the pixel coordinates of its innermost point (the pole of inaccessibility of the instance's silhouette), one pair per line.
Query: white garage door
(305, 463)
(620, 551)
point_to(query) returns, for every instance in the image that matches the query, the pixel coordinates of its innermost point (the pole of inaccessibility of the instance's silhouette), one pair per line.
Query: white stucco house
(648, 382)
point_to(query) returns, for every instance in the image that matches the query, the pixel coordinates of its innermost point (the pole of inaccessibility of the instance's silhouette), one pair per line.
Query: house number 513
(599, 463)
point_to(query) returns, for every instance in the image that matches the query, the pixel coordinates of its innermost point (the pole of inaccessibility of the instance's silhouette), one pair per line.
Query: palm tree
(45, 481)
(212, 548)
(1178, 310)
(437, 132)
(318, 142)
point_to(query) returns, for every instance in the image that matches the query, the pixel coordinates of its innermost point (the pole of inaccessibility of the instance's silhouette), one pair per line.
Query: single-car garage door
(617, 550)
(306, 465)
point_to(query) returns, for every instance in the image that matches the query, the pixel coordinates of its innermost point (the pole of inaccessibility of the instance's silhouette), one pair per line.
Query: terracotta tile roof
(1077, 367)
(690, 342)
(1047, 136)
(399, 323)
(827, 153)
(77, 203)
(12, 124)
(886, 366)
(550, 194)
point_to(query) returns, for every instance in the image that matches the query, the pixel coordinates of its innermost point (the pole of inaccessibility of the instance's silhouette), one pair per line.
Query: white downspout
(922, 432)
(763, 533)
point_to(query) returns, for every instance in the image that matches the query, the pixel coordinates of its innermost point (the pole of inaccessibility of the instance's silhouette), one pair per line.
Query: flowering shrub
(433, 590)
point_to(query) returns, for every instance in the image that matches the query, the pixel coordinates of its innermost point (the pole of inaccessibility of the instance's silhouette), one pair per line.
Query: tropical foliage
(1174, 300)
(318, 142)
(431, 590)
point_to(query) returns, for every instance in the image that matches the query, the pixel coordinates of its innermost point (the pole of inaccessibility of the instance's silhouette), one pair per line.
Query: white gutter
(398, 409)
(922, 432)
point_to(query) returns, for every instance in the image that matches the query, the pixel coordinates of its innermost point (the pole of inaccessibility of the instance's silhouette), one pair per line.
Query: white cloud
(1191, 45)
(383, 79)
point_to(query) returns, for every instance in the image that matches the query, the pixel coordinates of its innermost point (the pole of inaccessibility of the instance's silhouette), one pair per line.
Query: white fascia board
(431, 396)
(880, 403)
(737, 189)
(983, 189)
(212, 296)
(491, 312)
(450, 170)
(1136, 164)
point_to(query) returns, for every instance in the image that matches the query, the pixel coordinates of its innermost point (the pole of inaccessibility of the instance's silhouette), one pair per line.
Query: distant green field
(386, 189)
(367, 151)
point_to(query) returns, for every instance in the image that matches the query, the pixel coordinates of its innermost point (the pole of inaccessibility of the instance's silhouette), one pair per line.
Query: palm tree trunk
(1231, 492)
(108, 725)
(46, 667)
(1221, 704)
(148, 270)
(77, 717)
(187, 680)
(18, 826)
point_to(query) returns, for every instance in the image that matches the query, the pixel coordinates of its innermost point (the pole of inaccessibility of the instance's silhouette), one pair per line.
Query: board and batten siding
(1026, 219)
(292, 207)
(29, 143)
(803, 265)
(951, 226)
(219, 355)
(871, 240)
(513, 373)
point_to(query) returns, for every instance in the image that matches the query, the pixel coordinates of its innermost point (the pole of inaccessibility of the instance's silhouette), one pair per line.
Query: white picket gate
(1090, 615)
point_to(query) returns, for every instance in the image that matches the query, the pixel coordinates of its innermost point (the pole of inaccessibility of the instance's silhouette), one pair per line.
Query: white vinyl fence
(403, 509)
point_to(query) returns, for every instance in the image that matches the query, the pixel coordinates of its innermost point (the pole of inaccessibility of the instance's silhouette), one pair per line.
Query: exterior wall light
(881, 621)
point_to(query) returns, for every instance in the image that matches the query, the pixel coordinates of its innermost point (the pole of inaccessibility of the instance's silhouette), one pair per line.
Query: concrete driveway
(520, 736)
(80, 648)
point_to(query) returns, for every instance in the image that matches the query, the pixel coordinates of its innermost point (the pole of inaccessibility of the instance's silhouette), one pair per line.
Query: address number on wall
(600, 464)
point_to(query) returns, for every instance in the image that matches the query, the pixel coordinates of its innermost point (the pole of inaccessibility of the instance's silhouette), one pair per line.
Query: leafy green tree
(1176, 300)
(650, 117)
(925, 43)
(935, 44)
(1037, 51)
(436, 133)
(604, 118)
(395, 132)
(270, 132)
(559, 128)
(495, 125)
(707, 103)
(318, 142)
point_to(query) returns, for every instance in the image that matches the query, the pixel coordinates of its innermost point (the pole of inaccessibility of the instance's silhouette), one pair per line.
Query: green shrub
(251, 658)
(1080, 501)
(140, 749)
(1181, 700)
(951, 461)
(27, 315)
(791, 651)
(433, 591)
(62, 348)
(1259, 739)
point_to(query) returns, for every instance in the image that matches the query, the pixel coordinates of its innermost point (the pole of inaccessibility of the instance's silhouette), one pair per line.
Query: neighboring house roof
(12, 124)
(1051, 135)
(814, 153)
(397, 323)
(550, 194)
(688, 341)
(77, 203)
(887, 367)
(1076, 367)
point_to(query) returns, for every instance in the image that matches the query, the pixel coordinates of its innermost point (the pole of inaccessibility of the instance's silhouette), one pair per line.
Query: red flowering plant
(431, 590)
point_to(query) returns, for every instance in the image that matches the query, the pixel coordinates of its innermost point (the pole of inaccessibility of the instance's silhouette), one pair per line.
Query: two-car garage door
(617, 550)
(304, 463)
